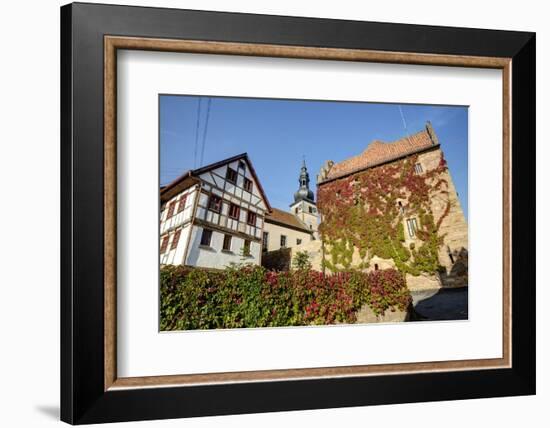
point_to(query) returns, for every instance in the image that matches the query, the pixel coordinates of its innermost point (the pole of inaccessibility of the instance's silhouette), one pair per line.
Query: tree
(301, 261)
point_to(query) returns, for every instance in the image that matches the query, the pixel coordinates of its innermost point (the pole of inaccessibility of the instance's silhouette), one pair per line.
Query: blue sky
(277, 134)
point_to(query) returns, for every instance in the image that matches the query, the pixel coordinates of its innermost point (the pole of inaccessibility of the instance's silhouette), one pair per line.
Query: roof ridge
(378, 152)
(286, 219)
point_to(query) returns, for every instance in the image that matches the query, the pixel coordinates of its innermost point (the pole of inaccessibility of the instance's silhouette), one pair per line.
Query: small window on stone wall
(412, 227)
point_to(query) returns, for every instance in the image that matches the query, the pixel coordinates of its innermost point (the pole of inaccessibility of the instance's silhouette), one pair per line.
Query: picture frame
(91, 391)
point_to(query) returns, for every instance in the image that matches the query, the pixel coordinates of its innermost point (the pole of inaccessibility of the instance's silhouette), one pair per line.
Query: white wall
(274, 238)
(178, 218)
(30, 160)
(215, 256)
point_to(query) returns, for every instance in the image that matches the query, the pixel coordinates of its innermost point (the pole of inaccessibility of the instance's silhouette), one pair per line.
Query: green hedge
(250, 296)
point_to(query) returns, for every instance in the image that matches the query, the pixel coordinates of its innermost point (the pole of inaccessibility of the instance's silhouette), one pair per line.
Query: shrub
(250, 296)
(387, 290)
(301, 261)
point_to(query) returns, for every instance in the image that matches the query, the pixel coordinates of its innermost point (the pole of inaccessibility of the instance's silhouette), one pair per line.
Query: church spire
(304, 193)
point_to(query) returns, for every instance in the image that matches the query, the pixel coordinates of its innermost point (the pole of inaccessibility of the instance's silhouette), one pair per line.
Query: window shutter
(181, 205)
(171, 208)
(164, 244)
(175, 240)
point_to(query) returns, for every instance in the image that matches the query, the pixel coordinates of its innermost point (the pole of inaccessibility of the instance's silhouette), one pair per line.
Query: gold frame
(112, 43)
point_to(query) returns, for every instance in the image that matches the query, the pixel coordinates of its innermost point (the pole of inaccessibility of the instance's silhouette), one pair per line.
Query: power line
(197, 133)
(205, 129)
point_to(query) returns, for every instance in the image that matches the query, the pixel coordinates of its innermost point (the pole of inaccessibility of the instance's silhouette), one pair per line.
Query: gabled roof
(379, 152)
(191, 177)
(286, 219)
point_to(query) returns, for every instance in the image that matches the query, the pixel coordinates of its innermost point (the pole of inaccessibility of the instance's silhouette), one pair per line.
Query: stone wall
(278, 259)
(282, 259)
(454, 228)
(446, 209)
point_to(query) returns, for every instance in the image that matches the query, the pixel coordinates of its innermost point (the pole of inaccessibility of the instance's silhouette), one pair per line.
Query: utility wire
(205, 130)
(197, 133)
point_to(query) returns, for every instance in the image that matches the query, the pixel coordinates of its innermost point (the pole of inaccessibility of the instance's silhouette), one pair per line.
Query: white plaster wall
(181, 217)
(214, 256)
(175, 256)
(303, 214)
(274, 238)
(237, 190)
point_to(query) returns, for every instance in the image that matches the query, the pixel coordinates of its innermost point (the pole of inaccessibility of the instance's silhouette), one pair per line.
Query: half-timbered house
(213, 216)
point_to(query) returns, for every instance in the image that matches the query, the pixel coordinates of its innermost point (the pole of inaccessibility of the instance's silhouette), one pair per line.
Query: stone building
(394, 205)
(213, 216)
(287, 232)
(298, 226)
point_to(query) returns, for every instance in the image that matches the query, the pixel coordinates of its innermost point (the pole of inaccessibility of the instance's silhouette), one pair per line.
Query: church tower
(304, 207)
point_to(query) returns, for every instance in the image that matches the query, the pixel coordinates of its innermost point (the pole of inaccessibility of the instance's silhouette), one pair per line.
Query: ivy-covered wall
(364, 217)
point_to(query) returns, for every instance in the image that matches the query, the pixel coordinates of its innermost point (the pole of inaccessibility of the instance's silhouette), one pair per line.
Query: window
(171, 208)
(251, 218)
(175, 239)
(246, 248)
(242, 165)
(248, 185)
(231, 175)
(265, 240)
(215, 203)
(227, 242)
(164, 244)
(311, 210)
(412, 227)
(234, 211)
(181, 205)
(298, 241)
(418, 168)
(283, 241)
(206, 237)
(297, 210)
(375, 266)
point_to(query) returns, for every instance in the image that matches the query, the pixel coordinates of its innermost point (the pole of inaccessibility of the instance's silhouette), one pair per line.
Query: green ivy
(362, 212)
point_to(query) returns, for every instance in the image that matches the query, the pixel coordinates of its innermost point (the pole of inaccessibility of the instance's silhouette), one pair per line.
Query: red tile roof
(379, 152)
(284, 218)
